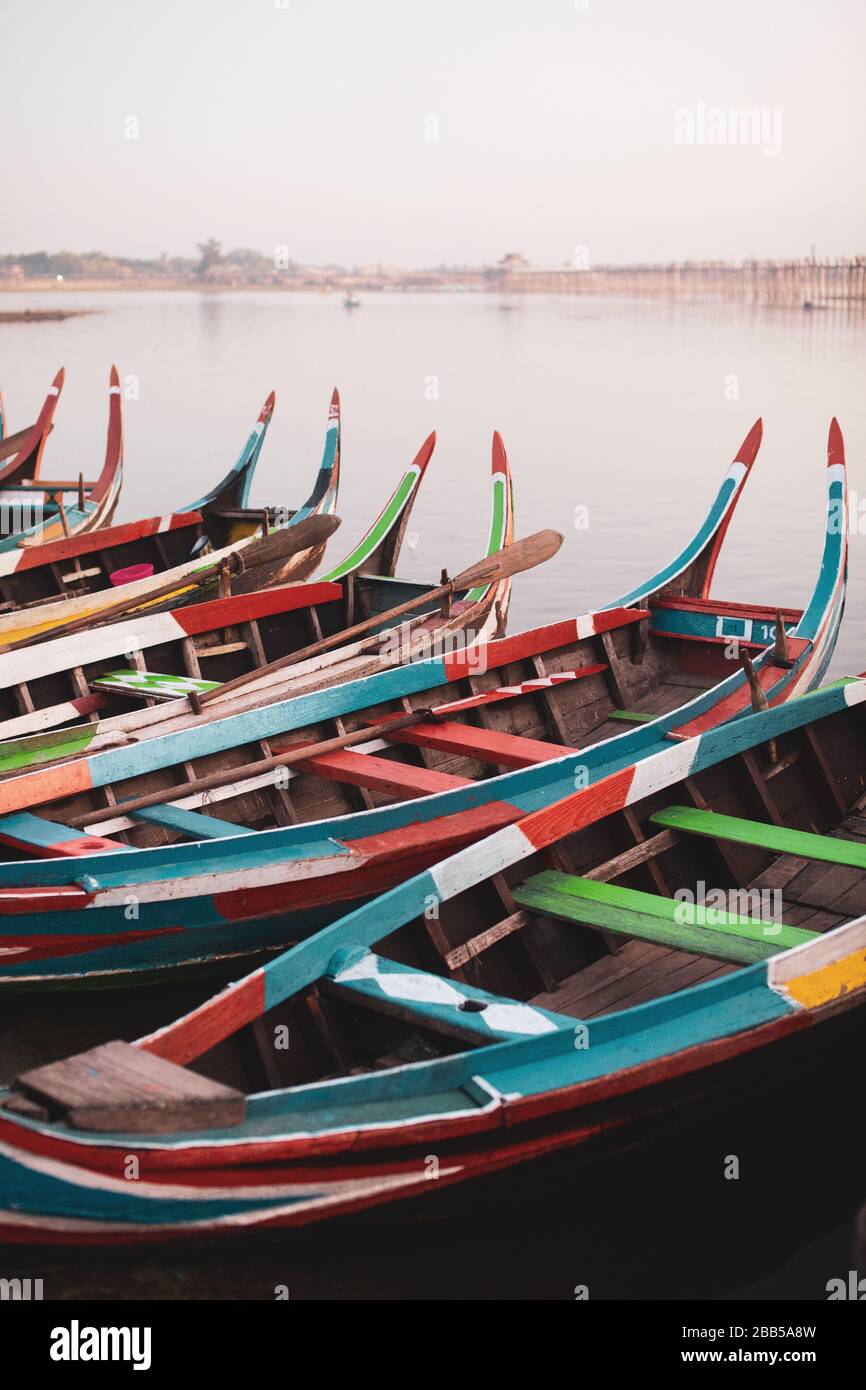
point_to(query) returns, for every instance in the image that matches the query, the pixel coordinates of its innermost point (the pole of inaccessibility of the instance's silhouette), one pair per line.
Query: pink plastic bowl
(130, 574)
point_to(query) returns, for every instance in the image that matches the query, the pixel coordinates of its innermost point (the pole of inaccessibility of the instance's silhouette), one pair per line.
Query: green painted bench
(776, 838)
(682, 926)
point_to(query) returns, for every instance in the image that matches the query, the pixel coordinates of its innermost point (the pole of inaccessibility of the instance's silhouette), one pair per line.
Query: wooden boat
(613, 959)
(47, 589)
(35, 511)
(195, 648)
(191, 826)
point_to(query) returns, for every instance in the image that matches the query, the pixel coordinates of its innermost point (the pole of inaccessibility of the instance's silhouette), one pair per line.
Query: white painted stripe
(95, 644)
(855, 693)
(477, 862)
(825, 950)
(662, 769)
(39, 720)
(737, 471)
(229, 880)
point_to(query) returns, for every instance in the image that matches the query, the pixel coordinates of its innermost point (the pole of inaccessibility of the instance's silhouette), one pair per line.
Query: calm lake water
(630, 409)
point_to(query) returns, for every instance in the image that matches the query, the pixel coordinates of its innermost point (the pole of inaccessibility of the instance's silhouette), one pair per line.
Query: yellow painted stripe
(21, 632)
(830, 982)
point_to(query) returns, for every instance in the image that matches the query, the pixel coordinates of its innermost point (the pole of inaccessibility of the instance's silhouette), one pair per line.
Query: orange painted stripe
(44, 784)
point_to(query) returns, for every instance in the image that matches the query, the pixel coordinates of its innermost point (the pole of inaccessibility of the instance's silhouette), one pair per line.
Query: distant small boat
(351, 301)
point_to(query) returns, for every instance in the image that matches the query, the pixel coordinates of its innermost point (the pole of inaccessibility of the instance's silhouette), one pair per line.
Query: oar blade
(512, 559)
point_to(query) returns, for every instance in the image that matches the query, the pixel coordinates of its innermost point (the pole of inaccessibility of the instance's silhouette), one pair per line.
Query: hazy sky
(305, 123)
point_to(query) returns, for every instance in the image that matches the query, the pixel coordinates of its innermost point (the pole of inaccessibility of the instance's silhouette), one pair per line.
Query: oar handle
(511, 559)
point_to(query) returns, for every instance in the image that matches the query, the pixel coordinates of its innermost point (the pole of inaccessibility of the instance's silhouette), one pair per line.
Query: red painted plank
(63, 849)
(489, 745)
(212, 1021)
(538, 640)
(726, 609)
(244, 608)
(56, 551)
(741, 698)
(380, 774)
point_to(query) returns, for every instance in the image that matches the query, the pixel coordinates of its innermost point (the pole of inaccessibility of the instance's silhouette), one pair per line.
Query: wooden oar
(299, 754)
(511, 559)
(278, 545)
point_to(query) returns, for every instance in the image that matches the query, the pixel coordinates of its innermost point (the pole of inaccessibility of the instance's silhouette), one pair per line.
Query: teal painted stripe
(577, 1052)
(831, 562)
(527, 790)
(324, 481)
(246, 460)
(682, 622)
(25, 1189)
(190, 822)
(567, 1056)
(306, 962)
(266, 722)
(74, 517)
(489, 1017)
(35, 831)
(699, 541)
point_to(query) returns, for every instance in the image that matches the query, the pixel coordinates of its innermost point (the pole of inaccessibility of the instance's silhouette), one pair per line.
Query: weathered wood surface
(119, 1087)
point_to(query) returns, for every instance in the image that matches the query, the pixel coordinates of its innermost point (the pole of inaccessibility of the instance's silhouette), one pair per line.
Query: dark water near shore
(624, 408)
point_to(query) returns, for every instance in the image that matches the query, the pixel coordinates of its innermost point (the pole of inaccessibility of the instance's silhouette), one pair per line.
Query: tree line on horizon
(212, 266)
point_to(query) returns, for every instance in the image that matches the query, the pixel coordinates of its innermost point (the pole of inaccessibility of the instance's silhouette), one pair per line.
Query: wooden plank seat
(684, 926)
(777, 839)
(253, 514)
(121, 1087)
(76, 576)
(380, 774)
(486, 745)
(442, 1005)
(49, 839)
(189, 823)
(220, 648)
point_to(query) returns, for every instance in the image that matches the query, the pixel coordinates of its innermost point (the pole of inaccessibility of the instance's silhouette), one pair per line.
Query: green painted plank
(776, 838)
(150, 684)
(189, 822)
(632, 716)
(680, 925)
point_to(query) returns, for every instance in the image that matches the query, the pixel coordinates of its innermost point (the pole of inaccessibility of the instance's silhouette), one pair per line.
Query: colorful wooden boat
(609, 959)
(198, 646)
(35, 511)
(191, 826)
(46, 589)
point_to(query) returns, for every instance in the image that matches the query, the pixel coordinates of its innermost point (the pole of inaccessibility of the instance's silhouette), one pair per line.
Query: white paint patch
(814, 955)
(662, 769)
(477, 862)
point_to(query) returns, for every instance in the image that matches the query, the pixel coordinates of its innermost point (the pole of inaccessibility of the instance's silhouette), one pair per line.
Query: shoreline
(42, 315)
